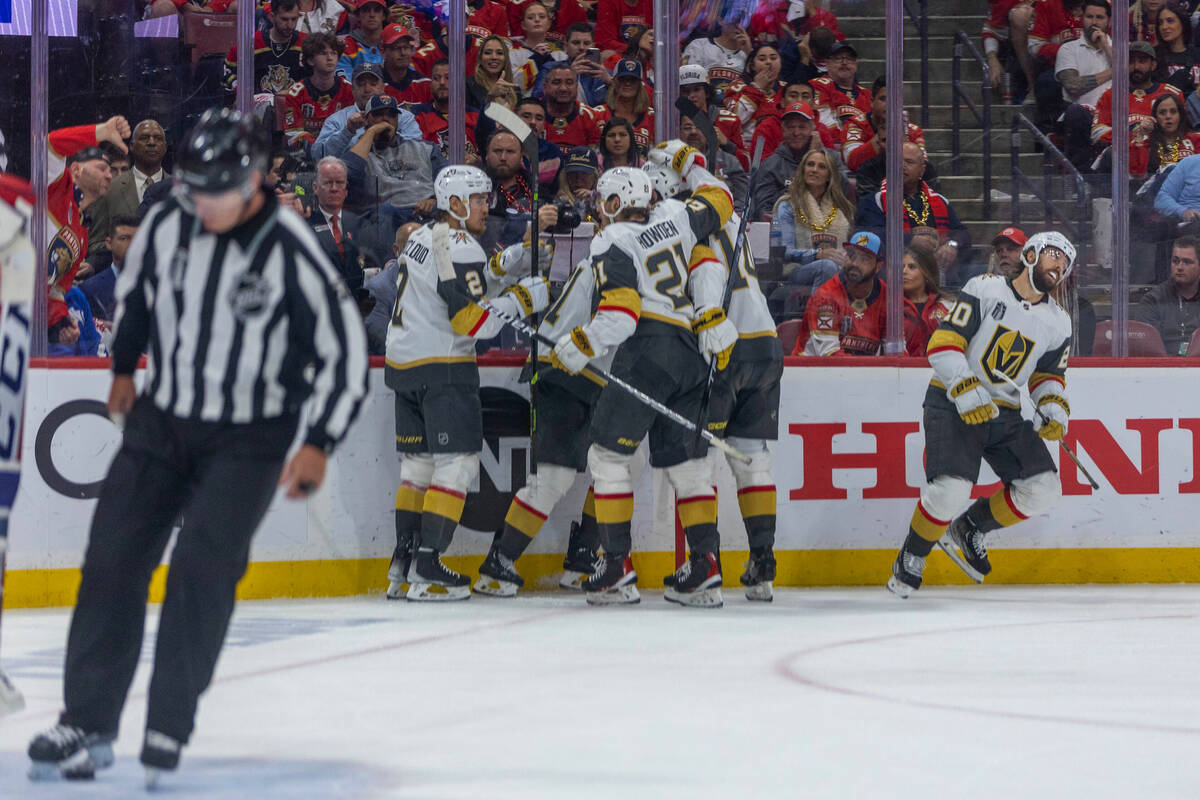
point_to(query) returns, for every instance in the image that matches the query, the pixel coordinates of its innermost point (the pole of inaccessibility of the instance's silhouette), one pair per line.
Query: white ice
(987, 692)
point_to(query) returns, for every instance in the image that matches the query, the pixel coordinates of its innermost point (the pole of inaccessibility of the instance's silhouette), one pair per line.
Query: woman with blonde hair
(493, 78)
(812, 220)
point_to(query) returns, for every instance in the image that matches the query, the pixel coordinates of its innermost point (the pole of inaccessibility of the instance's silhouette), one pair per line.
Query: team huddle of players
(667, 294)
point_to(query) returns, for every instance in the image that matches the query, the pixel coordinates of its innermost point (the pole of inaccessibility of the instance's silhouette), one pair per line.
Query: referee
(245, 322)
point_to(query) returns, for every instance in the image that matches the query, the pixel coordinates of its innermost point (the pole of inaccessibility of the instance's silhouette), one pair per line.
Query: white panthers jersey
(998, 333)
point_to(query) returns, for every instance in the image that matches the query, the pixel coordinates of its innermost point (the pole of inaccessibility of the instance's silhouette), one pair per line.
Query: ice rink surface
(983, 692)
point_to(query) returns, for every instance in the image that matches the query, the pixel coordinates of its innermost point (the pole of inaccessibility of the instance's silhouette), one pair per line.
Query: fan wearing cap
(363, 44)
(722, 56)
(1143, 91)
(309, 102)
(865, 137)
(1005, 260)
(404, 83)
(847, 315)
(277, 55)
(343, 128)
(577, 182)
(628, 99)
(1000, 330)
(840, 97)
(695, 85)
(777, 170)
(776, 22)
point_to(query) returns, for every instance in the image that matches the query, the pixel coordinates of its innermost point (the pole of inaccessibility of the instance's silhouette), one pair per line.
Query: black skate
(906, 573)
(696, 583)
(498, 576)
(578, 563)
(613, 582)
(760, 572)
(398, 571)
(966, 537)
(70, 752)
(430, 580)
(160, 753)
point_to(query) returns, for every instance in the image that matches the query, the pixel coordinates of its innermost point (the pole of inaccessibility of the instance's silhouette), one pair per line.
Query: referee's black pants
(220, 478)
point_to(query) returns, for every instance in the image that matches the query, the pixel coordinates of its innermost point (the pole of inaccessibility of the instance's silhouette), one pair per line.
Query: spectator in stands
(338, 231)
(839, 91)
(100, 288)
(924, 304)
(1006, 252)
(1179, 197)
(343, 128)
(570, 123)
(1178, 59)
(865, 138)
(798, 92)
(324, 17)
(363, 43)
(617, 145)
(535, 49)
(923, 208)
(404, 83)
(118, 162)
(493, 78)
(847, 315)
(382, 289)
(533, 113)
(727, 166)
(1143, 20)
(563, 14)
(277, 56)
(777, 170)
(1170, 141)
(592, 78)
(696, 86)
(1055, 23)
(1083, 67)
(577, 182)
(615, 18)
(723, 56)
(1143, 91)
(490, 16)
(627, 98)
(309, 102)
(390, 171)
(166, 8)
(812, 221)
(434, 117)
(640, 48)
(1009, 21)
(512, 197)
(759, 93)
(148, 148)
(1173, 307)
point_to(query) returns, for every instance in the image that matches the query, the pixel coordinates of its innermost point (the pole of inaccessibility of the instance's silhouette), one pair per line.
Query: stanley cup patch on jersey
(1006, 354)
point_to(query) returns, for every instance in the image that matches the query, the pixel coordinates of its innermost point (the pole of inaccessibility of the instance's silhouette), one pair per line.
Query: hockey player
(431, 368)
(640, 264)
(999, 327)
(744, 401)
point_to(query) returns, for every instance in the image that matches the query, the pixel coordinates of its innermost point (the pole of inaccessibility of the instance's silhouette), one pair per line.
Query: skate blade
(436, 593)
(572, 580)
(494, 588)
(11, 699)
(960, 562)
(395, 591)
(899, 588)
(701, 598)
(760, 592)
(153, 778)
(626, 595)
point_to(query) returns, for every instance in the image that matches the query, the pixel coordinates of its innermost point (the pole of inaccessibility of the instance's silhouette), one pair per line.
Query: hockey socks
(614, 521)
(410, 499)
(698, 516)
(521, 525)
(757, 504)
(924, 531)
(998, 511)
(440, 513)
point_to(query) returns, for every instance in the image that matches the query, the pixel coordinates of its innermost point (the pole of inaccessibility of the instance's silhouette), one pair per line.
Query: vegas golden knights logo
(1006, 354)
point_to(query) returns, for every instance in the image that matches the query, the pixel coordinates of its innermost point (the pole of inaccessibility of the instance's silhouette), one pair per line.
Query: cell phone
(593, 55)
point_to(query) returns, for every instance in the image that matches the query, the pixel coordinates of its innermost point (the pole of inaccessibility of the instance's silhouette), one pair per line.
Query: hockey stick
(701, 120)
(529, 143)
(533, 334)
(1061, 443)
(701, 420)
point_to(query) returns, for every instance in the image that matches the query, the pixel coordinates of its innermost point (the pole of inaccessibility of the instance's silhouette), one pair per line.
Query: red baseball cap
(1014, 235)
(364, 3)
(803, 109)
(394, 33)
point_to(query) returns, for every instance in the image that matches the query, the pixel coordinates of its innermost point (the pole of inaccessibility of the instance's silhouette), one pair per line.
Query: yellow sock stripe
(928, 527)
(757, 501)
(1002, 508)
(700, 510)
(613, 509)
(409, 498)
(444, 502)
(589, 503)
(525, 518)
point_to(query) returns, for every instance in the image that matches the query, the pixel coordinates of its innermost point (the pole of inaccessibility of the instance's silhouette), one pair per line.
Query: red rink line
(787, 669)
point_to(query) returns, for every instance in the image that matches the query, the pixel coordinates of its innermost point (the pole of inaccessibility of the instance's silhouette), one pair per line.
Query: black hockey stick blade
(700, 119)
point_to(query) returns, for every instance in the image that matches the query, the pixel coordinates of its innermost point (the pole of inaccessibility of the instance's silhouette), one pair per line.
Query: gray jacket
(1174, 317)
(774, 175)
(401, 174)
(730, 170)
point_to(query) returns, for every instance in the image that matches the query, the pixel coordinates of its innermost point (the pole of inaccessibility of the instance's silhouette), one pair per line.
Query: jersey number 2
(674, 263)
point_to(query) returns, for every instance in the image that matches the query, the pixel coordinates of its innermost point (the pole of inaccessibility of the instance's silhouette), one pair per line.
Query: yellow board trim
(421, 362)
(408, 499)
(42, 588)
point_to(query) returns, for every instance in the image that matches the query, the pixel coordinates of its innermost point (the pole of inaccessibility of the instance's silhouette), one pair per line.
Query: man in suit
(338, 230)
(148, 147)
(100, 289)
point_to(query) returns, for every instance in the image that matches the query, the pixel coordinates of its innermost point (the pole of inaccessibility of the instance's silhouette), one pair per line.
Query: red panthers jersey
(435, 128)
(306, 107)
(858, 141)
(835, 324)
(413, 89)
(64, 222)
(580, 128)
(837, 107)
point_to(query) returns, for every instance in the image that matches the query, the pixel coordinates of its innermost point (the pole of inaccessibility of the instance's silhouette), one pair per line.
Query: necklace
(824, 226)
(512, 201)
(923, 218)
(1168, 154)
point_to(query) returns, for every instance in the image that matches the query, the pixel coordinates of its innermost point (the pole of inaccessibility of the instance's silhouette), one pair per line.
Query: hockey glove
(573, 352)
(678, 156)
(973, 402)
(1054, 409)
(716, 333)
(532, 293)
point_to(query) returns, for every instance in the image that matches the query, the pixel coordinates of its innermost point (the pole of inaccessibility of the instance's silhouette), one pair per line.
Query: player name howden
(657, 233)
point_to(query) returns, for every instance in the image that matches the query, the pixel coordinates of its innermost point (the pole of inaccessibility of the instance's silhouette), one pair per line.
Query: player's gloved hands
(679, 156)
(573, 352)
(716, 333)
(1055, 410)
(973, 402)
(533, 293)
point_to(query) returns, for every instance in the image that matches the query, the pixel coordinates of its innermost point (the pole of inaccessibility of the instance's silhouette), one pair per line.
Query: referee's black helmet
(223, 151)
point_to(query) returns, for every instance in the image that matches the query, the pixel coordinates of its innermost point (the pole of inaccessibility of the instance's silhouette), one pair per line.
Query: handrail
(920, 19)
(984, 118)
(1080, 230)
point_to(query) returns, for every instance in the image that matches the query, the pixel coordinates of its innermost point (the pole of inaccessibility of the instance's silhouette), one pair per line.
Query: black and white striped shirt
(233, 323)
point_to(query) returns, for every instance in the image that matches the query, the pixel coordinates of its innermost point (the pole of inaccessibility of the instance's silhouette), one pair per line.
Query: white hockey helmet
(1031, 253)
(665, 181)
(461, 182)
(630, 184)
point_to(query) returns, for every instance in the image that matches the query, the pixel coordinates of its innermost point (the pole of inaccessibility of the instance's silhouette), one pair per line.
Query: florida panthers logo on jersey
(276, 79)
(64, 249)
(1006, 354)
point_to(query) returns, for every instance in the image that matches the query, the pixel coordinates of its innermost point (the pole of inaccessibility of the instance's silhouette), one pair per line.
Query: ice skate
(613, 583)
(398, 572)
(430, 580)
(69, 752)
(160, 754)
(697, 583)
(498, 576)
(963, 535)
(577, 564)
(906, 573)
(759, 574)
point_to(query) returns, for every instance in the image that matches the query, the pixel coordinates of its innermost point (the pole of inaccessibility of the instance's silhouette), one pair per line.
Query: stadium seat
(209, 34)
(788, 333)
(1144, 340)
